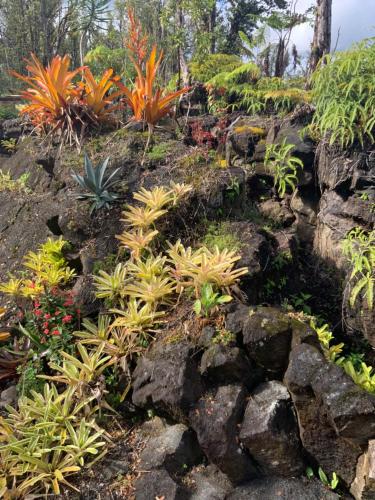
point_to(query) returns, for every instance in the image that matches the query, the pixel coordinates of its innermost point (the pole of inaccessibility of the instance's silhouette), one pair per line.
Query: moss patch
(247, 129)
(219, 235)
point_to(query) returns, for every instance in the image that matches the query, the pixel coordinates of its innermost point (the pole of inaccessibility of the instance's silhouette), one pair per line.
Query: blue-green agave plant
(97, 185)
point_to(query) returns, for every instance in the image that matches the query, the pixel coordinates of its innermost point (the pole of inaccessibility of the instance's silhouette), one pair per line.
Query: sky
(355, 18)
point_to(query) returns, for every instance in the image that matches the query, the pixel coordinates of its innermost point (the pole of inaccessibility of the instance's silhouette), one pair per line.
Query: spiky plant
(97, 184)
(58, 105)
(110, 286)
(142, 217)
(194, 269)
(138, 316)
(44, 442)
(137, 241)
(157, 290)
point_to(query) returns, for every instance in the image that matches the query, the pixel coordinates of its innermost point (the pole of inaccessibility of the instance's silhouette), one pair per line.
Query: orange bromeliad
(146, 102)
(57, 103)
(51, 89)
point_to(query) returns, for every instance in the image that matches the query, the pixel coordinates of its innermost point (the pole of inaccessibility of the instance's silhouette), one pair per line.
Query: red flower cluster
(54, 312)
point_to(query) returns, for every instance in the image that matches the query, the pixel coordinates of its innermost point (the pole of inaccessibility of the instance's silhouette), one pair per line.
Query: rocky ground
(238, 407)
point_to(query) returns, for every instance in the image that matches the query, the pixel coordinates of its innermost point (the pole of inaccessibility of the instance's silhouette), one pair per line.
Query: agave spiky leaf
(97, 185)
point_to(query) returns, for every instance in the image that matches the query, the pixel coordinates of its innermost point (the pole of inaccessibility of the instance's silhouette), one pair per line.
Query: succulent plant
(97, 185)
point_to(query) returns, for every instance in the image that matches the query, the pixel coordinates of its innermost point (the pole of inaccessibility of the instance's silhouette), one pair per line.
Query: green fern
(344, 95)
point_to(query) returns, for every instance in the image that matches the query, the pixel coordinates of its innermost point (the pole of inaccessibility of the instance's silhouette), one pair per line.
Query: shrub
(102, 57)
(45, 269)
(212, 65)
(219, 235)
(8, 112)
(257, 95)
(344, 95)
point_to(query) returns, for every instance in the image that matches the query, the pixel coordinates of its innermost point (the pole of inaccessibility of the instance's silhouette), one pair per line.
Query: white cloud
(354, 18)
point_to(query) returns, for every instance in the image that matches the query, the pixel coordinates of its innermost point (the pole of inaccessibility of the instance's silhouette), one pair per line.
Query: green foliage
(331, 484)
(219, 235)
(224, 337)
(45, 441)
(102, 57)
(159, 152)
(328, 483)
(359, 247)
(8, 112)
(246, 73)
(344, 95)
(361, 374)
(283, 166)
(209, 300)
(45, 269)
(212, 65)
(10, 145)
(257, 95)
(300, 302)
(7, 183)
(110, 286)
(97, 184)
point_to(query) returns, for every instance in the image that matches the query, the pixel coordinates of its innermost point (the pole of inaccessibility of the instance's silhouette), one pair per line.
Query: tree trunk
(212, 27)
(280, 59)
(322, 32)
(183, 69)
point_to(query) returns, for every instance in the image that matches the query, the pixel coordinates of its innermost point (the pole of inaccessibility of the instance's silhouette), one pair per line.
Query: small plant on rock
(283, 166)
(359, 247)
(97, 184)
(209, 300)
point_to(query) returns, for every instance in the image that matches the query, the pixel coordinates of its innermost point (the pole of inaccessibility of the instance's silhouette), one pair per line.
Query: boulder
(206, 337)
(215, 419)
(286, 242)
(277, 211)
(272, 488)
(340, 214)
(174, 448)
(254, 251)
(304, 207)
(244, 134)
(8, 397)
(335, 416)
(167, 378)
(226, 364)
(267, 336)
(159, 484)
(269, 431)
(340, 170)
(210, 484)
(363, 486)
(236, 318)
